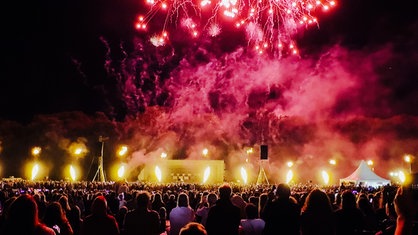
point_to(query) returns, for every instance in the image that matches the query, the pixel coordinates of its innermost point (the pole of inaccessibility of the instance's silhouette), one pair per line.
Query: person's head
(317, 202)
(23, 211)
(212, 198)
(348, 200)
(63, 200)
(157, 197)
(54, 214)
(143, 199)
(251, 211)
(99, 206)
(183, 200)
(225, 191)
(283, 191)
(193, 228)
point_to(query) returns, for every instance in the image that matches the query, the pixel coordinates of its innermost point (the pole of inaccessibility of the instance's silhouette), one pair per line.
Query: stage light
(289, 176)
(205, 152)
(158, 173)
(72, 173)
(325, 177)
(402, 176)
(163, 155)
(332, 162)
(289, 164)
(244, 175)
(122, 150)
(36, 151)
(35, 171)
(121, 171)
(206, 174)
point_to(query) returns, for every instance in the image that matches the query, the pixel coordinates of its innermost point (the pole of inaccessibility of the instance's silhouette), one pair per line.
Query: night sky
(74, 70)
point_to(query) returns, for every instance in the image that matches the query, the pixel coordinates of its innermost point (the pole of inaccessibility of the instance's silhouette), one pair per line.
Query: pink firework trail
(268, 24)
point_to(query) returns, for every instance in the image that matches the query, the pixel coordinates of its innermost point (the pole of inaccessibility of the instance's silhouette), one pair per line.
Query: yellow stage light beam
(121, 171)
(158, 173)
(35, 171)
(289, 176)
(402, 176)
(72, 173)
(244, 175)
(206, 174)
(325, 177)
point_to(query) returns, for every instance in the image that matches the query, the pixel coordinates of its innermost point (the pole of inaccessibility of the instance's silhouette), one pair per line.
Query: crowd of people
(122, 208)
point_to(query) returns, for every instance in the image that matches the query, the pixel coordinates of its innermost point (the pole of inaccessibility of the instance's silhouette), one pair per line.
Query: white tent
(365, 176)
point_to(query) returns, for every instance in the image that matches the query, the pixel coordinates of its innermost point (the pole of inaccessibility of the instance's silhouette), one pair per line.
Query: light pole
(408, 159)
(100, 172)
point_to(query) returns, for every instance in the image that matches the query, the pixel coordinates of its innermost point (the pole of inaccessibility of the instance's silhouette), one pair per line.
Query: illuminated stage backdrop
(187, 171)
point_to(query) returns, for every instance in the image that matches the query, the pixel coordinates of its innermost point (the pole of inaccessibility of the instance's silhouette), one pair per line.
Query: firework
(268, 24)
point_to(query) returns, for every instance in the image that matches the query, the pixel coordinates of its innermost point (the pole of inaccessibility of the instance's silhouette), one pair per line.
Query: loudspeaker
(263, 152)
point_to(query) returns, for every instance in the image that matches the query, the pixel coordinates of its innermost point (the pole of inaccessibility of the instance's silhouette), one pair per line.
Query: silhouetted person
(317, 215)
(252, 225)
(406, 208)
(22, 218)
(181, 215)
(157, 202)
(282, 215)
(72, 212)
(56, 219)
(142, 220)
(193, 228)
(348, 219)
(99, 222)
(203, 212)
(223, 218)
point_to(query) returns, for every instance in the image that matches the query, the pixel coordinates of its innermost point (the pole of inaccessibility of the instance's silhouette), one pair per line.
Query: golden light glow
(401, 176)
(407, 158)
(78, 151)
(370, 163)
(36, 151)
(121, 171)
(206, 174)
(122, 150)
(158, 173)
(72, 173)
(325, 177)
(332, 162)
(205, 152)
(289, 164)
(163, 155)
(289, 176)
(35, 171)
(244, 175)
(250, 150)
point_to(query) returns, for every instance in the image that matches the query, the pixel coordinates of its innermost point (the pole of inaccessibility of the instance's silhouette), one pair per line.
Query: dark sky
(54, 58)
(351, 93)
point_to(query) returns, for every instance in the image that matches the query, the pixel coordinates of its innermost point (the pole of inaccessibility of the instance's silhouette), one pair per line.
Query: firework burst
(268, 24)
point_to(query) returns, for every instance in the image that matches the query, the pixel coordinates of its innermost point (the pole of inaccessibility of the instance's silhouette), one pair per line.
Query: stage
(187, 171)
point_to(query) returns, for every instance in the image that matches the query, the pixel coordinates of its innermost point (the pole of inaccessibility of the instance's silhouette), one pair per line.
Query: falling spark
(269, 22)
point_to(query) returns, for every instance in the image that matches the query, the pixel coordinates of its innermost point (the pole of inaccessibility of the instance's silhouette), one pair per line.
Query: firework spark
(269, 24)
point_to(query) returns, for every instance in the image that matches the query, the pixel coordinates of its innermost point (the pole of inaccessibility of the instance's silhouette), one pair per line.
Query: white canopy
(365, 176)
